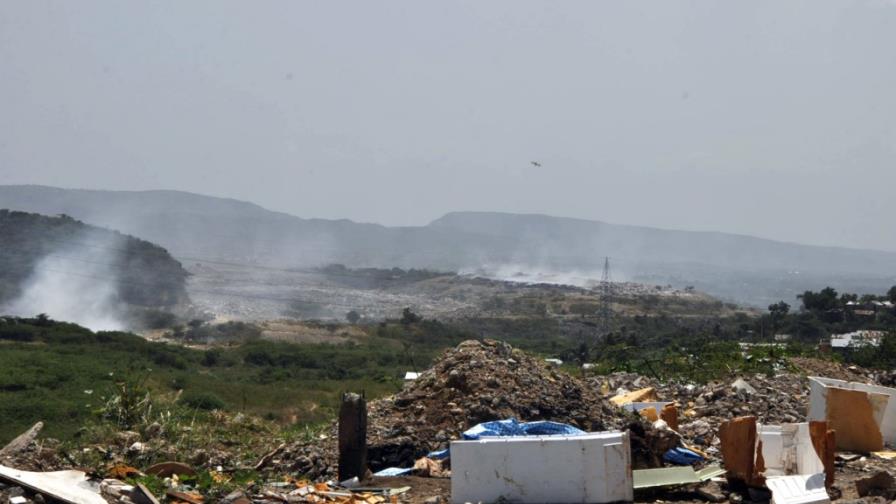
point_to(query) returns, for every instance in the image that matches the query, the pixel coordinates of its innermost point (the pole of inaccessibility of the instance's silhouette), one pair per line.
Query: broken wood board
(22, 440)
(740, 451)
(855, 416)
(71, 487)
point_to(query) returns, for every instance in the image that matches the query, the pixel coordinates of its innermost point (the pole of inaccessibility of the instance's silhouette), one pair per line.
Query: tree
(821, 301)
(892, 294)
(408, 317)
(778, 310)
(353, 317)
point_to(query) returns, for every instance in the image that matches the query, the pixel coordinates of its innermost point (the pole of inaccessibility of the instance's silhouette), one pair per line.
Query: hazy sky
(771, 118)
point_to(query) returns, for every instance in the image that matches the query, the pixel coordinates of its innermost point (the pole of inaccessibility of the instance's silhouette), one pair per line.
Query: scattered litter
(741, 385)
(168, 469)
(190, 497)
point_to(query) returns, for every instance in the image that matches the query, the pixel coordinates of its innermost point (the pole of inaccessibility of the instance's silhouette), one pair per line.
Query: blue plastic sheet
(394, 471)
(682, 456)
(438, 454)
(511, 427)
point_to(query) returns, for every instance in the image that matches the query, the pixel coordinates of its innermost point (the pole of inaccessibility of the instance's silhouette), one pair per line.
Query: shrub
(202, 400)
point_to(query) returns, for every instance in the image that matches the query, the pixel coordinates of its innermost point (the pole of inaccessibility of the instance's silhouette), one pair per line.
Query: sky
(770, 118)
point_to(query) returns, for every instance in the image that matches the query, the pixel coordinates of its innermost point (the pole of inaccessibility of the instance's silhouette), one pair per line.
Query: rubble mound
(475, 382)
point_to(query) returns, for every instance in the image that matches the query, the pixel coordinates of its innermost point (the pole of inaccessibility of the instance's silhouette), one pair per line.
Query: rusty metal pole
(352, 437)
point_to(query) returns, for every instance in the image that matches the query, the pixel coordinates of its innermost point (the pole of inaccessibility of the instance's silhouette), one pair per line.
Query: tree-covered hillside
(61, 252)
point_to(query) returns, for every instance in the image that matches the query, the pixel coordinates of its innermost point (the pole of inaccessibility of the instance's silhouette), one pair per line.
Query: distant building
(856, 339)
(868, 308)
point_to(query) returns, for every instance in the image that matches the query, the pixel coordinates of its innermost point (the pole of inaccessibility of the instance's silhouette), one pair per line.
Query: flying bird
(536, 164)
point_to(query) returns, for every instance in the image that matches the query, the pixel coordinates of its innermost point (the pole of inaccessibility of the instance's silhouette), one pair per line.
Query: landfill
(463, 396)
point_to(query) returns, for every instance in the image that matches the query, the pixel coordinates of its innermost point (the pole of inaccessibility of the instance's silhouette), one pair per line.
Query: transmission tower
(605, 291)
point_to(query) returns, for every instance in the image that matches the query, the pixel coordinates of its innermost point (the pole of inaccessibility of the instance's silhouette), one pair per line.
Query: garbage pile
(702, 408)
(475, 382)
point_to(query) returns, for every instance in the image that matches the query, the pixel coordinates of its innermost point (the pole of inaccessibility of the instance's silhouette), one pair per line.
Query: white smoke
(528, 274)
(74, 284)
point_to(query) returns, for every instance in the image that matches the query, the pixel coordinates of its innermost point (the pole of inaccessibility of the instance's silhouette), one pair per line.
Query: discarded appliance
(754, 453)
(673, 476)
(864, 416)
(653, 411)
(589, 468)
(799, 489)
(72, 487)
(411, 376)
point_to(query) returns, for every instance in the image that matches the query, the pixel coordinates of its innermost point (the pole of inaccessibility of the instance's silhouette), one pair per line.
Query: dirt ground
(421, 488)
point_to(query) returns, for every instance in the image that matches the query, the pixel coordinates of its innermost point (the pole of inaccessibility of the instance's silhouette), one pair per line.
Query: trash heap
(475, 382)
(782, 398)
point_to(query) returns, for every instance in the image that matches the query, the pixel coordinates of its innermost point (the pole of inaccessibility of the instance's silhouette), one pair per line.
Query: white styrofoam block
(592, 468)
(818, 402)
(788, 449)
(800, 489)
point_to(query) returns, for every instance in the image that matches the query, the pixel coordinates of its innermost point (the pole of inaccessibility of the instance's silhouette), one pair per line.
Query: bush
(202, 400)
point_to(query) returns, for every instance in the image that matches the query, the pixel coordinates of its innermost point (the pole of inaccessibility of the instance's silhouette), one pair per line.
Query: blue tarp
(438, 454)
(394, 471)
(511, 427)
(682, 456)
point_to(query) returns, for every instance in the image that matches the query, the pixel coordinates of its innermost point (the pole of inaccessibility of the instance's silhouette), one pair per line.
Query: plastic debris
(511, 427)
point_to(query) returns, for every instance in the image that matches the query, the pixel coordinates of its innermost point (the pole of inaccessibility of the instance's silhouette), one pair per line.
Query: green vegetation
(69, 376)
(65, 375)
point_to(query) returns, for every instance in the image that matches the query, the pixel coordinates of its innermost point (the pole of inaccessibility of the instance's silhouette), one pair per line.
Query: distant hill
(734, 267)
(66, 268)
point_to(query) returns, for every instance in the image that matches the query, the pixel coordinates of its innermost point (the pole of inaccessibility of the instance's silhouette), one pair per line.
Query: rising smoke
(76, 284)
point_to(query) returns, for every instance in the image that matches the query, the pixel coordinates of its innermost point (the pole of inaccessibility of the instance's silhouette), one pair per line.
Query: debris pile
(475, 382)
(783, 398)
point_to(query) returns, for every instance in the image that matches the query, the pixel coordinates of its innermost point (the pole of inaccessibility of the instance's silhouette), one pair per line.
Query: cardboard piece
(647, 394)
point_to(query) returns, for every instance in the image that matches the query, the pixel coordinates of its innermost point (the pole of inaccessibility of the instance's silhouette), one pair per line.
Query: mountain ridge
(733, 266)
